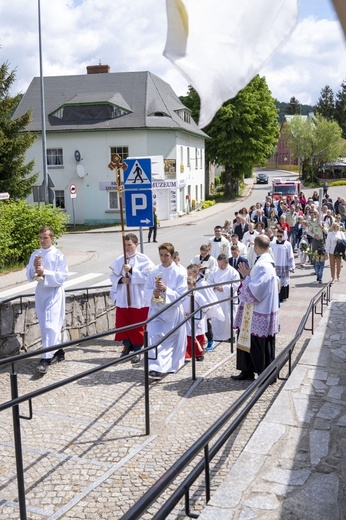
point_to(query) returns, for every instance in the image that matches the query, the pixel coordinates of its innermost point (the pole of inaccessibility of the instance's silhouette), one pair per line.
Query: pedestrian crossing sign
(137, 174)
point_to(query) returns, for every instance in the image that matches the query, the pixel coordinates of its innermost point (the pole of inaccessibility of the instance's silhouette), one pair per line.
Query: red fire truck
(284, 188)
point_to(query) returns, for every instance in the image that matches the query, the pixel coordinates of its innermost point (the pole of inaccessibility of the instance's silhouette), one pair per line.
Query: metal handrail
(256, 389)
(16, 400)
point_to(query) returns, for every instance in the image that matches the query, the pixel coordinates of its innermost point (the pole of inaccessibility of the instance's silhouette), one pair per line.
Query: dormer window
(184, 115)
(159, 114)
(86, 113)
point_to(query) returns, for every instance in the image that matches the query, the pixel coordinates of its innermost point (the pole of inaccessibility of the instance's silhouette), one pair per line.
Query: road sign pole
(117, 165)
(141, 239)
(73, 214)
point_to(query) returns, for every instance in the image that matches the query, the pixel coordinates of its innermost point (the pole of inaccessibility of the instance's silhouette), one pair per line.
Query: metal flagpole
(117, 165)
(43, 115)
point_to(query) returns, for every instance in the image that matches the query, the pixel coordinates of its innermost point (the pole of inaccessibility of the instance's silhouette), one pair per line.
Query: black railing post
(18, 447)
(231, 322)
(207, 472)
(193, 336)
(146, 386)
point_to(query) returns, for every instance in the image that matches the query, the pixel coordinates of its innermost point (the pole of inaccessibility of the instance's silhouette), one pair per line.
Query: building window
(60, 199)
(188, 156)
(123, 151)
(54, 157)
(86, 113)
(184, 115)
(113, 200)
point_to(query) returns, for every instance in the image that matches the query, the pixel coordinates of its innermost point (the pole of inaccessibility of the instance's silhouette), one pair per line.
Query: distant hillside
(283, 110)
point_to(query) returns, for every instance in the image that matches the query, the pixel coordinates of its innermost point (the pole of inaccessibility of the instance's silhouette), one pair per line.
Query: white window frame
(59, 195)
(123, 151)
(113, 200)
(55, 157)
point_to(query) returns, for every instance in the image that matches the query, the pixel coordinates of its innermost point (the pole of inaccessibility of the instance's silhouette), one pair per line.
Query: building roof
(119, 100)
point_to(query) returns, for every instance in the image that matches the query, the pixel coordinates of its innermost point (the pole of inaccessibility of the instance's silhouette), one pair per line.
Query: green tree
(192, 101)
(15, 175)
(314, 141)
(340, 108)
(325, 104)
(293, 108)
(243, 133)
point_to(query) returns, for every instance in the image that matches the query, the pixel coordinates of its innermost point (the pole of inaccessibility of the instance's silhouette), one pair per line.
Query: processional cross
(118, 165)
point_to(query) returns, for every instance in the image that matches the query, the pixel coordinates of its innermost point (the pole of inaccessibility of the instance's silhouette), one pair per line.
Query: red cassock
(129, 316)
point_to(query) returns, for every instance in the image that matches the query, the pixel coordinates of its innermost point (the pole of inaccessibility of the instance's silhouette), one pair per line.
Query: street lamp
(43, 114)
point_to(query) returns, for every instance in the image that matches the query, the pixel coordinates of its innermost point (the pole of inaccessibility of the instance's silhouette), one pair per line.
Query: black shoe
(155, 375)
(125, 351)
(148, 240)
(243, 376)
(58, 356)
(155, 241)
(199, 358)
(136, 359)
(42, 368)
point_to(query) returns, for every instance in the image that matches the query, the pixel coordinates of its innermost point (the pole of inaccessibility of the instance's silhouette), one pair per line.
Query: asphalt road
(104, 247)
(93, 252)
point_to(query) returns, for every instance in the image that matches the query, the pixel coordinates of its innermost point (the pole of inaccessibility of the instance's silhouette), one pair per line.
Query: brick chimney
(98, 69)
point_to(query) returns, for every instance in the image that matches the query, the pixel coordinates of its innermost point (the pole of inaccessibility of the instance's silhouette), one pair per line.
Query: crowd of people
(247, 261)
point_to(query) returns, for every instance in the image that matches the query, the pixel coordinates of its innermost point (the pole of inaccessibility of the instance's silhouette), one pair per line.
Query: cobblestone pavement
(85, 451)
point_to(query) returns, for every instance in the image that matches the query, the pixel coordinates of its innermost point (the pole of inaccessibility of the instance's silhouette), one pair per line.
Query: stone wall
(86, 314)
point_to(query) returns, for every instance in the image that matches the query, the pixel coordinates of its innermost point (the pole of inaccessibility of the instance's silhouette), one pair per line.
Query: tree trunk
(228, 191)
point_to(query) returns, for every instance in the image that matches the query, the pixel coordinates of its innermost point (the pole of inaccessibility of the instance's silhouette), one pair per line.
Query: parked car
(262, 178)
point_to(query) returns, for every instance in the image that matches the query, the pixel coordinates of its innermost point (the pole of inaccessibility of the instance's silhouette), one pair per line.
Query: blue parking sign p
(138, 208)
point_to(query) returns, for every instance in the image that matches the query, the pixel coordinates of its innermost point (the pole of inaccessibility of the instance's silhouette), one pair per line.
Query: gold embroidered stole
(244, 338)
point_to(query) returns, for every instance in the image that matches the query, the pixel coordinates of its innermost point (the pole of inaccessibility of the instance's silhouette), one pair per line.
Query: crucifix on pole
(117, 165)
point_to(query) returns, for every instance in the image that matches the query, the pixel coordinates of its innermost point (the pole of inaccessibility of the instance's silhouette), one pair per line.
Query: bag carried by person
(340, 249)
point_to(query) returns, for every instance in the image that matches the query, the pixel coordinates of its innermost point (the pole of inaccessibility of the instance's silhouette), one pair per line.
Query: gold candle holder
(38, 277)
(158, 299)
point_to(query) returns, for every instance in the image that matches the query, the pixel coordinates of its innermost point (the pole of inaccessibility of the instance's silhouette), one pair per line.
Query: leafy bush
(341, 182)
(208, 204)
(19, 226)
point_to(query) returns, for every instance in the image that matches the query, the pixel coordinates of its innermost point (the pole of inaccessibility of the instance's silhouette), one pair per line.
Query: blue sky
(131, 35)
(318, 8)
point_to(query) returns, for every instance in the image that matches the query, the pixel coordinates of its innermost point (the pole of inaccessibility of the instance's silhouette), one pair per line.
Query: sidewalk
(294, 466)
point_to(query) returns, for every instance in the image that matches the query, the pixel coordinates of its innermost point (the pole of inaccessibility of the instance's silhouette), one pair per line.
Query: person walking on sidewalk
(132, 272)
(153, 228)
(48, 266)
(284, 262)
(334, 259)
(320, 256)
(257, 318)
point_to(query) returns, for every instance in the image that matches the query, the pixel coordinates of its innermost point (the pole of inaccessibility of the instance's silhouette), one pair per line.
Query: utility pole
(43, 112)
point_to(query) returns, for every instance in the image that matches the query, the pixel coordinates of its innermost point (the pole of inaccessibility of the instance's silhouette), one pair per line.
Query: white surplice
(284, 260)
(170, 351)
(49, 295)
(140, 265)
(222, 328)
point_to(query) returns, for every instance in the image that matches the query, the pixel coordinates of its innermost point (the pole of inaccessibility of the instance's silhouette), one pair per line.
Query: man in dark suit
(241, 228)
(260, 217)
(235, 259)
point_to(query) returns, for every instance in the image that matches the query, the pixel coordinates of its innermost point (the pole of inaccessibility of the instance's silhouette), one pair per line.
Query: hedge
(19, 226)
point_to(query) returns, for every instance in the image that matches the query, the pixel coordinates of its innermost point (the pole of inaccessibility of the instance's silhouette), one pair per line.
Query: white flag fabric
(220, 45)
